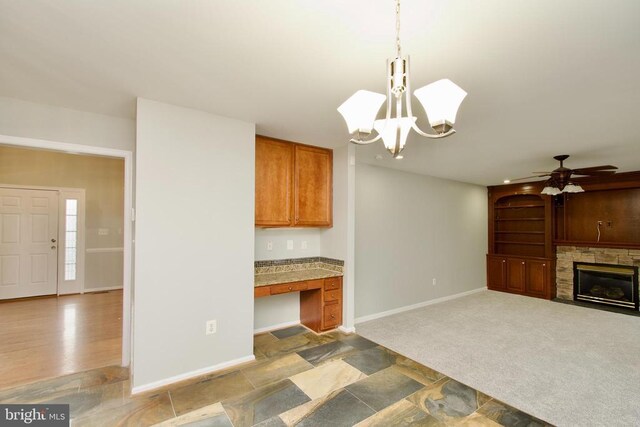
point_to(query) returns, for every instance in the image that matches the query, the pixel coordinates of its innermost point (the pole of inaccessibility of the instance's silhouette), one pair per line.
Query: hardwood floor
(48, 337)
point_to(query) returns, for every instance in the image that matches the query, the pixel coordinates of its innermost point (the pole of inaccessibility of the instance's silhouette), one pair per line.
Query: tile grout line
(365, 403)
(172, 407)
(246, 377)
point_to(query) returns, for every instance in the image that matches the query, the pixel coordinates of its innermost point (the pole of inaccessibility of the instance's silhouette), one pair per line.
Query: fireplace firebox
(606, 284)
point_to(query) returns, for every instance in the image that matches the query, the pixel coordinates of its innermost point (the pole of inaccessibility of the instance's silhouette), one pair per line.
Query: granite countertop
(265, 279)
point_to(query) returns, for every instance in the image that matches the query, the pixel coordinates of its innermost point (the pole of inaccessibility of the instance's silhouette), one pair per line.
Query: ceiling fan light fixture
(572, 188)
(551, 189)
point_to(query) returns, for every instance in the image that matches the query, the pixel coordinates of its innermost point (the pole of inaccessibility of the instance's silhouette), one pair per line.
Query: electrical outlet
(269, 246)
(289, 245)
(303, 245)
(434, 281)
(211, 327)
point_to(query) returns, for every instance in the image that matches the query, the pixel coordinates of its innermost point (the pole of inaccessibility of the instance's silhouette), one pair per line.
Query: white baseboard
(275, 327)
(418, 305)
(107, 288)
(351, 330)
(192, 374)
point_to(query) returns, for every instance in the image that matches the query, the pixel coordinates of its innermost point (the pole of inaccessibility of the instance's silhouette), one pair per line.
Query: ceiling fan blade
(592, 169)
(595, 173)
(529, 177)
(542, 173)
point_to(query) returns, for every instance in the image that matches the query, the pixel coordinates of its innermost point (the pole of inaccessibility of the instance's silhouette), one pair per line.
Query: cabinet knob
(333, 316)
(544, 265)
(290, 288)
(504, 260)
(522, 262)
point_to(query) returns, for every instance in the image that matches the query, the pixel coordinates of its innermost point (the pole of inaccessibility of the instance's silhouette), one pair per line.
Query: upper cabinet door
(313, 186)
(274, 182)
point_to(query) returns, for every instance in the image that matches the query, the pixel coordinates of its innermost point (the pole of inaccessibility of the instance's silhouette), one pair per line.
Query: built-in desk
(320, 295)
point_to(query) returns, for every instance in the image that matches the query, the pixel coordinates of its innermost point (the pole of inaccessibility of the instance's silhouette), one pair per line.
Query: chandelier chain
(398, 47)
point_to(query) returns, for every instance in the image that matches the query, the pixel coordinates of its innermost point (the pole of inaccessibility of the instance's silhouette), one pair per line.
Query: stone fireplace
(567, 255)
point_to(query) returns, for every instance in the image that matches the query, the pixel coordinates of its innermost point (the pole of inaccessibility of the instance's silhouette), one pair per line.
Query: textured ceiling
(544, 77)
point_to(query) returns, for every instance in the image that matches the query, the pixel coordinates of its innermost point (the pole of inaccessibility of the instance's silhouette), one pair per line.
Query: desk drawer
(288, 287)
(332, 283)
(261, 291)
(334, 295)
(331, 316)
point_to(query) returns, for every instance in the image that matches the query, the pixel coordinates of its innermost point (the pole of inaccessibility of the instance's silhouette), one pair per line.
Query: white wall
(410, 229)
(279, 237)
(194, 242)
(30, 120)
(338, 241)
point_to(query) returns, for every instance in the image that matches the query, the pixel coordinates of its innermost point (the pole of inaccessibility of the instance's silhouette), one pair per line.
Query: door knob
(53, 240)
(53, 247)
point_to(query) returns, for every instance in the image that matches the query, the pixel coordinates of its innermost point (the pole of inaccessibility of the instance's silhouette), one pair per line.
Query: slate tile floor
(299, 378)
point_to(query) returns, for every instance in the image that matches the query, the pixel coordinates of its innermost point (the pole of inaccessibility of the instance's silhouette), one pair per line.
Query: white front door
(28, 242)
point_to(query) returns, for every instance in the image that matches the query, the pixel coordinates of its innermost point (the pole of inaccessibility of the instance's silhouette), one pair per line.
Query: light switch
(269, 246)
(303, 245)
(289, 245)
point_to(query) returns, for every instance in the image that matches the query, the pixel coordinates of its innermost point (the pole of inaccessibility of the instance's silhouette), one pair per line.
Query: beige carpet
(568, 365)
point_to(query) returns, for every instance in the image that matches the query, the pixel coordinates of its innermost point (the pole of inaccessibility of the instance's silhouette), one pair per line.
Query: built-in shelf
(519, 232)
(519, 206)
(502, 242)
(520, 219)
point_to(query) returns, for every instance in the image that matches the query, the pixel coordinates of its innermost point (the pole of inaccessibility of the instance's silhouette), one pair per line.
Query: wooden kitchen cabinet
(274, 183)
(294, 184)
(313, 186)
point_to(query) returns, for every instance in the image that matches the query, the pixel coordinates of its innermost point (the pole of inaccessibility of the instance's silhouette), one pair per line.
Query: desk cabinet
(320, 301)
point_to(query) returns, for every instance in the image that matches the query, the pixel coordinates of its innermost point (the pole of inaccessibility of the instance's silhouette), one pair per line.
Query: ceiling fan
(560, 178)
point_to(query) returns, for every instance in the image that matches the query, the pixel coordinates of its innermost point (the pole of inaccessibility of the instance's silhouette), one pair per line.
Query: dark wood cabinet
(294, 184)
(496, 272)
(606, 214)
(521, 253)
(515, 275)
(537, 276)
(518, 275)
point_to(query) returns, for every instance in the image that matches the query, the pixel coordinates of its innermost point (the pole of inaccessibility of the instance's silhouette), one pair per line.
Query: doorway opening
(65, 268)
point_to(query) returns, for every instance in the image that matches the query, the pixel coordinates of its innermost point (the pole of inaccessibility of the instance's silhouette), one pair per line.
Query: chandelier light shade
(394, 135)
(360, 110)
(440, 100)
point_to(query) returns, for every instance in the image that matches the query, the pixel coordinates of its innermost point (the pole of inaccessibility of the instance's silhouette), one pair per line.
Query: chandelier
(440, 100)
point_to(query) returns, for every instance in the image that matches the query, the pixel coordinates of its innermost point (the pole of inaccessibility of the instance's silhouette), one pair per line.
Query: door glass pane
(71, 239)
